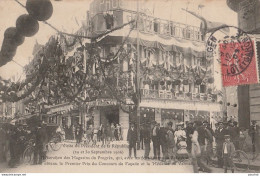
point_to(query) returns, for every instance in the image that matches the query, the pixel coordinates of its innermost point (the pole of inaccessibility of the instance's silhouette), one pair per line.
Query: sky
(68, 14)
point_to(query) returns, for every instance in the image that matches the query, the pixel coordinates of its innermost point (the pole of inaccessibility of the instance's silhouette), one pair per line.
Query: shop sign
(60, 109)
(162, 94)
(105, 102)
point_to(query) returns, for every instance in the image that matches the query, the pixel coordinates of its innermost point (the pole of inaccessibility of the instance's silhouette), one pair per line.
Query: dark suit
(163, 141)
(219, 135)
(156, 142)
(41, 140)
(147, 141)
(132, 139)
(254, 134)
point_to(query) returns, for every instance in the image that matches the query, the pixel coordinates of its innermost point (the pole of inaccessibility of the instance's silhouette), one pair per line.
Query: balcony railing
(168, 95)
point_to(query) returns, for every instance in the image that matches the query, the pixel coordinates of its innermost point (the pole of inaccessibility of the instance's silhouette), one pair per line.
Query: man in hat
(40, 142)
(234, 134)
(189, 131)
(156, 142)
(227, 153)
(163, 141)
(170, 142)
(219, 135)
(132, 139)
(254, 134)
(147, 140)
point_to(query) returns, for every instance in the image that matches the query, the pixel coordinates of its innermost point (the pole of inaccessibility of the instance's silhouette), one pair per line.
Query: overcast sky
(66, 11)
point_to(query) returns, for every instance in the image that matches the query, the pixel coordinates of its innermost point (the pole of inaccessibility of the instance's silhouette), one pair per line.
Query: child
(227, 152)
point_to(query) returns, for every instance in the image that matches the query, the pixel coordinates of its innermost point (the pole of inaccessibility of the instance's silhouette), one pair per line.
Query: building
(249, 95)
(167, 48)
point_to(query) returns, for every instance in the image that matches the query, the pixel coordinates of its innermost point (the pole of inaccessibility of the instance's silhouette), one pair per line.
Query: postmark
(234, 50)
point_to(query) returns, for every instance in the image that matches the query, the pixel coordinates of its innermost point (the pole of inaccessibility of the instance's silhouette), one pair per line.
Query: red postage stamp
(238, 61)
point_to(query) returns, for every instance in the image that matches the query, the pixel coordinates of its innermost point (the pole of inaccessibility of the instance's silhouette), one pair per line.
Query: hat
(226, 136)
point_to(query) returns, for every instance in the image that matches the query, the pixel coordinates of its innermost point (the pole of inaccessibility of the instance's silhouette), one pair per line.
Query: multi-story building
(249, 95)
(176, 82)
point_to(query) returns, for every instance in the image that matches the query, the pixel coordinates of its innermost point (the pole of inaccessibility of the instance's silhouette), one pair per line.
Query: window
(156, 27)
(173, 30)
(149, 25)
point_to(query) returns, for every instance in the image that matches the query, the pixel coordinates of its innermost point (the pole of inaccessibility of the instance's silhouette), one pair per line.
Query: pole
(83, 105)
(138, 77)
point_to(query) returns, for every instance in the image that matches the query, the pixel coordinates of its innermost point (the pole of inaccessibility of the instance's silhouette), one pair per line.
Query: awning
(166, 43)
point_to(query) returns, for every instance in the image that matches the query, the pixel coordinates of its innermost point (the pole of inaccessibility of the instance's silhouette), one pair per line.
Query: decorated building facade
(177, 82)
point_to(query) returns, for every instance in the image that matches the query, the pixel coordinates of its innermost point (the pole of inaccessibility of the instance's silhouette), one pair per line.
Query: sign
(60, 109)
(106, 102)
(165, 94)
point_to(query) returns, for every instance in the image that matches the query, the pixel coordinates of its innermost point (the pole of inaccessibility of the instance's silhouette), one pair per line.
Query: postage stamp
(236, 53)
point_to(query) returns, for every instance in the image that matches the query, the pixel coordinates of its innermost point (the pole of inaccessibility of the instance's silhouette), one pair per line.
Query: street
(83, 158)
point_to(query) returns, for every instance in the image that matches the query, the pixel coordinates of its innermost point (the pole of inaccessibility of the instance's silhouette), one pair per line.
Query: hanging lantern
(172, 90)
(162, 83)
(163, 87)
(211, 80)
(27, 26)
(13, 36)
(185, 82)
(149, 82)
(177, 82)
(168, 83)
(188, 94)
(40, 10)
(198, 81)
(220, 102)
(209, 90)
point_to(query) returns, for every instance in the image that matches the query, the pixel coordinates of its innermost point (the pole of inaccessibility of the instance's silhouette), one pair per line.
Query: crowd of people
(196, 140)
(170, 143)
(104, 133)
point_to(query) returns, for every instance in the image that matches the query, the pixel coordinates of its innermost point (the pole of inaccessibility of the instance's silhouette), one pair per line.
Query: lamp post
(138, 77)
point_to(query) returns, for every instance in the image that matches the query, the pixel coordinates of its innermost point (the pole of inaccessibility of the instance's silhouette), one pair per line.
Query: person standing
(132, 139)
(235, 135)
(117, 132)
(103, 134)
(40, 141)
(2, 144)
(147, 141)
(156, 144)
(112, 132)
(163, 141)
(77, 134)
(142, 137)
(199, 135)
(254, 134)
(219, 135)
(227, 153)
(13, 146)
(170, 142)
(189, 132)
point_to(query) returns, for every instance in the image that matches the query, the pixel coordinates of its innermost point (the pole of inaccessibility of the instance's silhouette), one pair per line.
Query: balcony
(179, 96)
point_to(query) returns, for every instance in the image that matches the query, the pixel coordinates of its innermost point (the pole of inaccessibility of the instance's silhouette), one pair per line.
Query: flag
(209, 26)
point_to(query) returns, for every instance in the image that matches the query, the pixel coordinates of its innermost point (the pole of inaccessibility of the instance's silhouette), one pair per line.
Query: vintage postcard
(129, 86)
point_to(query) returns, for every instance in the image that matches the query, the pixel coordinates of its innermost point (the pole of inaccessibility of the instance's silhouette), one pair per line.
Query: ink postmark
(235, 51)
